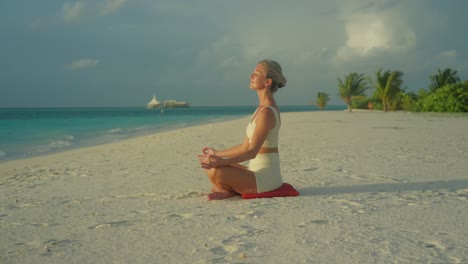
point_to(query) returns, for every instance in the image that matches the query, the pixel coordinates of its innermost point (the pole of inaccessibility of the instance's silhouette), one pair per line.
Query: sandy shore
(375, 188)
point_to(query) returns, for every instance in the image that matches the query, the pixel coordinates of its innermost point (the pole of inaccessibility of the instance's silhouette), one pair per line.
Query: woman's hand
(208, 161)
(209, 151)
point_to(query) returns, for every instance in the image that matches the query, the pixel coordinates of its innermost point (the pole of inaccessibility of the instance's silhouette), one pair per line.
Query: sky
(119, 53)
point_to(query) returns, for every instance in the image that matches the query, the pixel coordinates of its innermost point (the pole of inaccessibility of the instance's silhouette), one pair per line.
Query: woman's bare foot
(220, 195)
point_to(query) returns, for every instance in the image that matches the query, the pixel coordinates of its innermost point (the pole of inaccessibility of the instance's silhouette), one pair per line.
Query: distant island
(154, 103)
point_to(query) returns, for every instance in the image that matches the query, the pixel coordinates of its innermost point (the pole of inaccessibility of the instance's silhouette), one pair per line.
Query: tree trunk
(385, 106)
(348, 103)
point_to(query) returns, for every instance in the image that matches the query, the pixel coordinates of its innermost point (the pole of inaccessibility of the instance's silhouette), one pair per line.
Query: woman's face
(258, 79)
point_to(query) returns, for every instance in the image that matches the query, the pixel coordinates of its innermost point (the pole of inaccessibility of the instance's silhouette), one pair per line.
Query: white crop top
(271, 141)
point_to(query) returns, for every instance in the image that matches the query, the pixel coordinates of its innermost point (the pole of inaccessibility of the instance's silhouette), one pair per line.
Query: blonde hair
(275, 73)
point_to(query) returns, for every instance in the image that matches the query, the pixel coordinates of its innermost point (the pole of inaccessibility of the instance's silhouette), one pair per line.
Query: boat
(154, 103)
(175, 104)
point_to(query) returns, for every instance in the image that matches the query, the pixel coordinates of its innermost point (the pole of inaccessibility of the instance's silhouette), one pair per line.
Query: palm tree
(353, 86)
(322, 100)
(387, 86)
(465, 88)
(442, 78)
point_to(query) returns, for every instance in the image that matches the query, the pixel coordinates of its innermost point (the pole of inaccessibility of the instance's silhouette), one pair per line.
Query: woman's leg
(214, 188)
(229, 181)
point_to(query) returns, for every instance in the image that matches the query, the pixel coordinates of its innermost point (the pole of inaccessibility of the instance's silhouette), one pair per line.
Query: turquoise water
(34, 131)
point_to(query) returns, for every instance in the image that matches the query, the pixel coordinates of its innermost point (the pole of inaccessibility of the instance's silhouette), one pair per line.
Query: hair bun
(282, 82)
(275, 73)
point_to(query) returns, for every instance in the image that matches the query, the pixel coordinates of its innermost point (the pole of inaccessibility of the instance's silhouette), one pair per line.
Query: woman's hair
(275, 73)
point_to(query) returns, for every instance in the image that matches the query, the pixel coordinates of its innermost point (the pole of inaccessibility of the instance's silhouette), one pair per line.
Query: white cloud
(369, 34)
(294, 34)
(448, 54)
(446, 59)
(72, 12)
(112, 6)
(82, 64)
(375, 28)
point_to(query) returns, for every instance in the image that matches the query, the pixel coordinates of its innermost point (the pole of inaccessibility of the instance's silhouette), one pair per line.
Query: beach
(374, 187)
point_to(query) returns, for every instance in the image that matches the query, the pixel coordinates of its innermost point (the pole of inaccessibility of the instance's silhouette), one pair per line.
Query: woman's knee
(217, 176)
(211, 173)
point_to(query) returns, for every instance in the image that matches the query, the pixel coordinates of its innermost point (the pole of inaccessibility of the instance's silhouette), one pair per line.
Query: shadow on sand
(451, 185)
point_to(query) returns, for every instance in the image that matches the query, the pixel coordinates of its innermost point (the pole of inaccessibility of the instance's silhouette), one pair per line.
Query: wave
(139, 128)
(128, 131)
(59, 144)
(54, 145)
(2, 154)
(114, 131)
(69, 137)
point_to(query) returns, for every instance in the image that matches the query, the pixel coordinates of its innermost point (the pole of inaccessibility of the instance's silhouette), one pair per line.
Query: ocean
(27, 132)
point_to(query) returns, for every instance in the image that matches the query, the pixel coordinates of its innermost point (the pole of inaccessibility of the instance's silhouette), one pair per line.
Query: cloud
(112, 6)
(296, 34)
(448, 54)
(82, 64)
(447, 59)
(378, 31)
(72, 12)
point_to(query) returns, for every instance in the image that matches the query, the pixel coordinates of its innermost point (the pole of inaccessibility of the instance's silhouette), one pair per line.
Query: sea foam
(53, 145)
(114, 131)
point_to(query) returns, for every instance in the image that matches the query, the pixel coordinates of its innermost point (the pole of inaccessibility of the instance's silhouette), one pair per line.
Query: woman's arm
(233, 151)
(265, 121)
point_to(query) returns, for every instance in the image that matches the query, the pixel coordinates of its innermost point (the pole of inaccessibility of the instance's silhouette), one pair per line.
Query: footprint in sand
(462, 194)
(229, 252)
(112, 224)
(225, 249)
(439, 249)
(434, 244)
(54, 245)
(310, 169)
(251, 214)
(236, 246)
(45, 248)
(183, 215)
(313, 222)
(353, 206)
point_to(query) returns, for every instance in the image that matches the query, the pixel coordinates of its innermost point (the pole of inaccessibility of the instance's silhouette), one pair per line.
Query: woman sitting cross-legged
(260, 145)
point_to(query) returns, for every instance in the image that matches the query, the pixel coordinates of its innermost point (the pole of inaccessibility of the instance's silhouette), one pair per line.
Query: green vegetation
(353, 86)
(448, 98)
(443, 78)
(322, 100)
(388, 88)
(446, 92)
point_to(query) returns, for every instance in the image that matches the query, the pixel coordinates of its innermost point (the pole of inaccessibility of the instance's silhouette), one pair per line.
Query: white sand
(375, 188)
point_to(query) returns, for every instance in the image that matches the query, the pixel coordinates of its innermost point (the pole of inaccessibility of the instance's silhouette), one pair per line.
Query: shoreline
(375, 187)
(99, 142)
(138, 137)
(74, 128)
(177, 127)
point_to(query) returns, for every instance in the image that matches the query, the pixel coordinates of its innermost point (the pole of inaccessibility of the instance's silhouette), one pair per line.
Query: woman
(260, 146)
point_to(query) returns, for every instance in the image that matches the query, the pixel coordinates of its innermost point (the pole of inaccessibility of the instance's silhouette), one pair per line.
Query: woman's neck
(265, 98)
